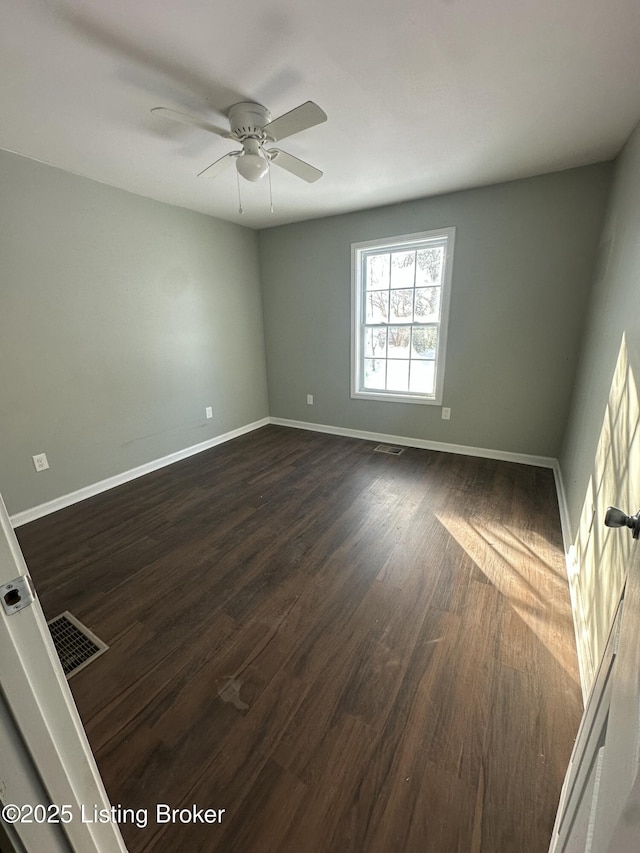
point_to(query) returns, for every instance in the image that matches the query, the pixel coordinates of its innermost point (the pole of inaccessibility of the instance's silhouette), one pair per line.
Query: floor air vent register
(75, 644)
(391, 449)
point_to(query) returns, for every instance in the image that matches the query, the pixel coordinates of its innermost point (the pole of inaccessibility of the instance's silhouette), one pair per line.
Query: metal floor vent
(76, 645)
(389, 448)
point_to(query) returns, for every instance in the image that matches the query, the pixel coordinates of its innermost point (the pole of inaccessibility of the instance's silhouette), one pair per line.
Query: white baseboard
(63, 501)
(424, 444)
(563, 507)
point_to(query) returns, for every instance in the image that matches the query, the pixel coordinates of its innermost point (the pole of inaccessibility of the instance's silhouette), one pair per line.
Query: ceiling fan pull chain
(270, 190)
(239, 196)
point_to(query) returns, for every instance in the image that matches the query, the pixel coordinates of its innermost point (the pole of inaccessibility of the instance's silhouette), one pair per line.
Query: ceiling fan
(251, 125)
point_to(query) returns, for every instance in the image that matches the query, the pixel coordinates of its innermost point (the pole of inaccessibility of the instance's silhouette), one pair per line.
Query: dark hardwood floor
(346, 651)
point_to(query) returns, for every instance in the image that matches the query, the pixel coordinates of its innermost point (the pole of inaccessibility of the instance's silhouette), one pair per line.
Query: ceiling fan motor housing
(247, 120)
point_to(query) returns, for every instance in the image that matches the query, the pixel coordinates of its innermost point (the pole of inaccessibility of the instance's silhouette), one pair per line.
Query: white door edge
(38, 698)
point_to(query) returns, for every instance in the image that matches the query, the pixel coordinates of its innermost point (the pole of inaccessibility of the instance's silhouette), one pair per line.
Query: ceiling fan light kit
(253, 164)
(251, 125)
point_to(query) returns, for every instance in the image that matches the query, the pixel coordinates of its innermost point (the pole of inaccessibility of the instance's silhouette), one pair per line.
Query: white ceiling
(423, 96)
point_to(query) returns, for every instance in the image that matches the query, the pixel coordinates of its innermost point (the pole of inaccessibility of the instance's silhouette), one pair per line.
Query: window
(400, 306)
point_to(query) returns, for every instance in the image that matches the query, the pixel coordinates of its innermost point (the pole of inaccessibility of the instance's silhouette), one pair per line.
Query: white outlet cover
(310, 399)
(446, 413)
(40, 461)
(209, 412)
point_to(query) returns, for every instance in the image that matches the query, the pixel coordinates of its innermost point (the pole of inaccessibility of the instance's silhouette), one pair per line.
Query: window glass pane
(424, 342)
(375, 343)
(430, 263)
(403, 269)
(377, 306)
(401, 306)
(427, 304)
(423, 377)
(377, 272)
(398, 341)
(374, 373)
(397, 375)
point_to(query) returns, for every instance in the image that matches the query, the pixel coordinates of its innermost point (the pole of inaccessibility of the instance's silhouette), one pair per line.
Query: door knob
(617, 518)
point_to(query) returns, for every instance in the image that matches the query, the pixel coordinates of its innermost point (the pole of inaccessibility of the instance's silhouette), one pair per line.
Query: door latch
(17, 594)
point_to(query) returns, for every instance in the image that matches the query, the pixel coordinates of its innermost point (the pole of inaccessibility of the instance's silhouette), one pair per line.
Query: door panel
(576, 804)
(599, 808)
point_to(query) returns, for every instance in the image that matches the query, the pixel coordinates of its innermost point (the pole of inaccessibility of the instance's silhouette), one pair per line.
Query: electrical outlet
(446, 413)
(209, 412)
(40, 461)
(309, 399)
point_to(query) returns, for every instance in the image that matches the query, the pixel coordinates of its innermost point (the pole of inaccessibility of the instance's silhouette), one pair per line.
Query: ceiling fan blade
(183, 118)
(219, 165)
(294, 165)
(300, 118)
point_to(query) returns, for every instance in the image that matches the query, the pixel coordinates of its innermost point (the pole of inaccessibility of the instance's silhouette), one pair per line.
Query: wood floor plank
(274, 798)
(400, 751)
(158, 689)
(228, 775)
(336, 778)
(446, 825)
(344, 650)
(515, 779)
(454, 730)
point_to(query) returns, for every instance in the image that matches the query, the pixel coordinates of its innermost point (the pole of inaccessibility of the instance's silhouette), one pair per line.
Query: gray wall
(522, 270)
(121, 319)
(600, 456)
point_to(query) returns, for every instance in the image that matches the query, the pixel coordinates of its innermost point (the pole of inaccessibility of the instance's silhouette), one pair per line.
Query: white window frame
(359, 251)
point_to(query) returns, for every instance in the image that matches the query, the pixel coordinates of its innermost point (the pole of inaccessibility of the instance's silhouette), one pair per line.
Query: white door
(46, 759)
(600, 802)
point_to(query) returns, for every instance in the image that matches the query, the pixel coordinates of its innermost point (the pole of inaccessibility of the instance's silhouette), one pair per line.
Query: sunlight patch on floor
(535, 589)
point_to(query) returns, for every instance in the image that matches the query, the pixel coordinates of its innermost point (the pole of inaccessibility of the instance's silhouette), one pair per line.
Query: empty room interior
(316, 441)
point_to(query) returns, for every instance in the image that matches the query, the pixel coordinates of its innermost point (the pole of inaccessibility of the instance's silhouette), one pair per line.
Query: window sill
(381, 396)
